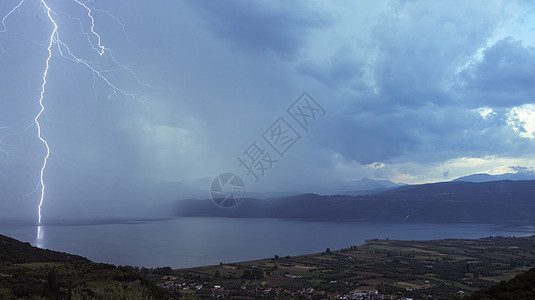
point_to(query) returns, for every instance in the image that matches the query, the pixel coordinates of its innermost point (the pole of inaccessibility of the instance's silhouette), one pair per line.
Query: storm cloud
(414, 91)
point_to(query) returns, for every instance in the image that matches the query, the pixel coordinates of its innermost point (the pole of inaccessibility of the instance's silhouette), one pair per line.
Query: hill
(486, 202)
(519, 288)
(27, 272)
(362, 186)
(483, 177)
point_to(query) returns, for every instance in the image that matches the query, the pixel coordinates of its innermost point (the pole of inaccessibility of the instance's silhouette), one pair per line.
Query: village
(219, 291)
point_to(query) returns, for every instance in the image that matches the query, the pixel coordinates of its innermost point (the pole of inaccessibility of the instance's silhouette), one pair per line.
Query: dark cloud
(262, 26)
(343, 70)
(427, 134)
(366, 137)
(504, 77)
(410, 107)
(522, 169)
(415, 107)
(420, 46)
(400, 85)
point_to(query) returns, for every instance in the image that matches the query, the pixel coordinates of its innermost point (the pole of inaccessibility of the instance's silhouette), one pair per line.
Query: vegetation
(445, 269)
(28, 272)
(518, 288)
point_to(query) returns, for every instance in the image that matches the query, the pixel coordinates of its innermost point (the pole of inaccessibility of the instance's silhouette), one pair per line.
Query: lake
(187, 242)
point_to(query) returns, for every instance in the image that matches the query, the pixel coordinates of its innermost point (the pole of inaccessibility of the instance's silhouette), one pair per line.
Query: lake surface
(187, 242)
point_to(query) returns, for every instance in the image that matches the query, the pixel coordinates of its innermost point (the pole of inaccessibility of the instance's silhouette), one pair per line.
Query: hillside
(486, 202)
(27, 272)
(519, 288)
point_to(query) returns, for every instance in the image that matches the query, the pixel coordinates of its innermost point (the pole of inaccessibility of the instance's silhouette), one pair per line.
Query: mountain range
(199, 188)
(98, 200)
(483, 177)
(486, 202)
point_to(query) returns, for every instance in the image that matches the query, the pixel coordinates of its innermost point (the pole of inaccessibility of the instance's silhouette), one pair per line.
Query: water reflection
(40, 241)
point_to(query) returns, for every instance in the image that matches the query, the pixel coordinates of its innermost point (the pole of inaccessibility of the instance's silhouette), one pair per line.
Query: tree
(328, 251)
(258, 274)
(53, 283)
(255, 274)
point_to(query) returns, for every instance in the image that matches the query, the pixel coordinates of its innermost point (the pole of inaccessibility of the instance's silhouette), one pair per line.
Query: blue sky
(414, 92)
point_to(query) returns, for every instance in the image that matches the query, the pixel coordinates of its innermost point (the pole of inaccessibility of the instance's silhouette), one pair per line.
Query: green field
(443, 268)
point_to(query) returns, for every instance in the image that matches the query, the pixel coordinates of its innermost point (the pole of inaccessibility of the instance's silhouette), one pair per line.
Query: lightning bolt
(100, 49)
(42, 94)
(66, 53)
(4, 28)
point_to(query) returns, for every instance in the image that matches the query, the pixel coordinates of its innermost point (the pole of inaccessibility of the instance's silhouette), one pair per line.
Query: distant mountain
(487, 202)
(199, 189)
(364, 185)
(370, 184)
(483, 177)
(518, 176)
